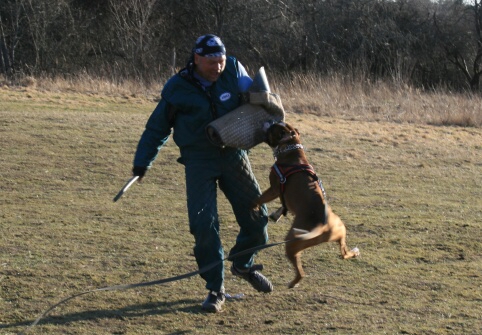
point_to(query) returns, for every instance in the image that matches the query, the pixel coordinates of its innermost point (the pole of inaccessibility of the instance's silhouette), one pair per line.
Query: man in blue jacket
(210, 86)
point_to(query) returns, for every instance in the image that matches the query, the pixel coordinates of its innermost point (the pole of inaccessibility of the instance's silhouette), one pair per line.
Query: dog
(293, 180)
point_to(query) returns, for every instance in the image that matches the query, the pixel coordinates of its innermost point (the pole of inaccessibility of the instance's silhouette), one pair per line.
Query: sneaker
(259, 282)
(214, 302)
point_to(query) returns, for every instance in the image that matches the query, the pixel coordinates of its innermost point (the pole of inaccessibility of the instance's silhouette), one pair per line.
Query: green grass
(409, 194)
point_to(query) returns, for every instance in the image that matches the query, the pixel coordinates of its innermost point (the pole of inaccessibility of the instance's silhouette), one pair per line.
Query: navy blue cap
(209, 46)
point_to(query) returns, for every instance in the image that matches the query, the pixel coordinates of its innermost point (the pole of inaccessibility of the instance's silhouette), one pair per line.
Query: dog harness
(283, 171)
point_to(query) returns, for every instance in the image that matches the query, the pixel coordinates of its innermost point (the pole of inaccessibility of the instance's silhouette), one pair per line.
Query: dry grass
(334, 96)
(409, 193)
(381, 101)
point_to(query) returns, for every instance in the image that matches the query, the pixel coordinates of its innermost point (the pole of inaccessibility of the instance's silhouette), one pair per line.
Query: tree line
(422, 42)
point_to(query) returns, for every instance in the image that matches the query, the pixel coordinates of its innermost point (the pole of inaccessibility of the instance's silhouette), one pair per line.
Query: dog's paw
(255, 207)
(276, 215)
(356, 251)
(293, 285)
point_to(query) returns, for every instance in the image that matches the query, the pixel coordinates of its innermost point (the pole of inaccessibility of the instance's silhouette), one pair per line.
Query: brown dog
(293, 180)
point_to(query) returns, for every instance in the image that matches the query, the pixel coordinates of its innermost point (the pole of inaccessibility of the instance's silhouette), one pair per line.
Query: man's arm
(244, 80)
(155, 135)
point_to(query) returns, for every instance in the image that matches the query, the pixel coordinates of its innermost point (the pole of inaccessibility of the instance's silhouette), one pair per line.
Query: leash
(156, 282)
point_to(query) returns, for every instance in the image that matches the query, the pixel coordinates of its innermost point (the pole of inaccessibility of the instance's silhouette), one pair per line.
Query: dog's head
(281, 133)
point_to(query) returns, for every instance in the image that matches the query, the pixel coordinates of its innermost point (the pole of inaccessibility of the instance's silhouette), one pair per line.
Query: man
(210, 86)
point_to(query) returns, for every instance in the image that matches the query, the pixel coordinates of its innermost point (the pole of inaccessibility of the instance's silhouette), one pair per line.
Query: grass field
(409, 194)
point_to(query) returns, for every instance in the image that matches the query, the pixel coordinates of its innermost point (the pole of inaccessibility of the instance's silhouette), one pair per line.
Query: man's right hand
(139, 171)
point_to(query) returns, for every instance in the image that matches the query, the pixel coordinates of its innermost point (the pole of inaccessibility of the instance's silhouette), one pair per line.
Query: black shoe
(259, 282)
(214, 302)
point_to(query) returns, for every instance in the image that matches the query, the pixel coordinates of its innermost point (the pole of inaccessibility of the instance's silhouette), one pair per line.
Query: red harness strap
(283, 171)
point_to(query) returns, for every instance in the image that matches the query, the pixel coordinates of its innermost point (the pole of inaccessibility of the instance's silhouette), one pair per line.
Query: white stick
(126, 187)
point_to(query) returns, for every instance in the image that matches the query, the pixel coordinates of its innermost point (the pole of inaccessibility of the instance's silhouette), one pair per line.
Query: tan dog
(293, 180)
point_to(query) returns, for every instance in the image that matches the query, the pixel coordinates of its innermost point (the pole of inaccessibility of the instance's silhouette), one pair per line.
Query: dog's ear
(292, 130)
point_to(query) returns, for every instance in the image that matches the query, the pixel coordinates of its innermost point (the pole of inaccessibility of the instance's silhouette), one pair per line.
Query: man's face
(210, 68)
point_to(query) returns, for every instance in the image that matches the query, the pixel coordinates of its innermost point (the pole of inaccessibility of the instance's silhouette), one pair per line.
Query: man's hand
(139, 171)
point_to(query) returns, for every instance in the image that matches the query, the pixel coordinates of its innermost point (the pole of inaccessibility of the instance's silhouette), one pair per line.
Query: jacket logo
(225, 96)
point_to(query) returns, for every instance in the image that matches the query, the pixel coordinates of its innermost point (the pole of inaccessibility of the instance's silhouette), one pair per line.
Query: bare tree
(131, 19)
(143, 39)
(9, 34)
(459, 32)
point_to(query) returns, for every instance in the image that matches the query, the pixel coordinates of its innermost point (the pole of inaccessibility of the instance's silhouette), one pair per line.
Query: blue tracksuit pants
(231, 171)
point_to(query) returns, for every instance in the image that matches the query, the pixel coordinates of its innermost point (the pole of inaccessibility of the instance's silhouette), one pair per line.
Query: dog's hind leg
(295, 259)
(345, 253)
(338, 234)
(293, 253)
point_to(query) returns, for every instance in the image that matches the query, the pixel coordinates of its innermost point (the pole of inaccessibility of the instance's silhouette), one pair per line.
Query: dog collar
(289, 147)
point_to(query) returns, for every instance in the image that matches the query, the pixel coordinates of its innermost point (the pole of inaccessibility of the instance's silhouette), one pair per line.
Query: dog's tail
(302, 234)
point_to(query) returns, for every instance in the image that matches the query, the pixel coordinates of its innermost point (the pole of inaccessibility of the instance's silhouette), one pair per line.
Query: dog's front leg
(272, 193)
(269, 195)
